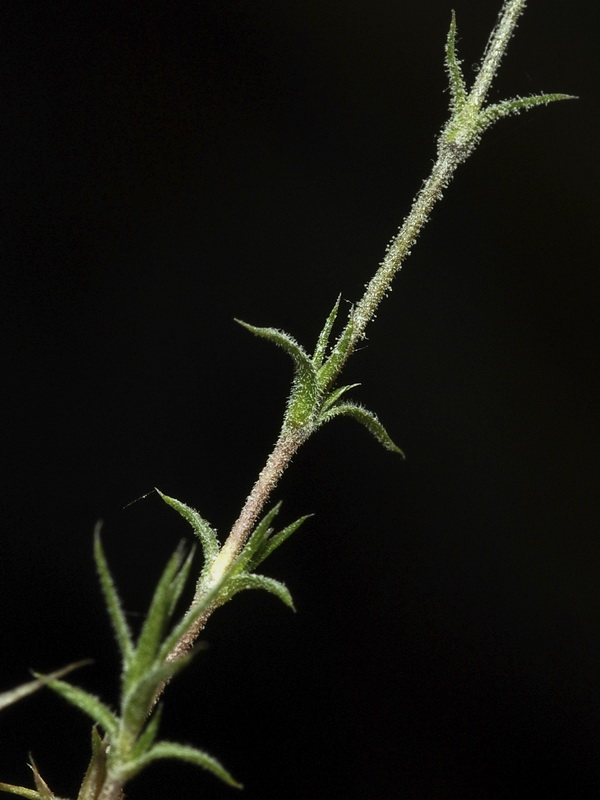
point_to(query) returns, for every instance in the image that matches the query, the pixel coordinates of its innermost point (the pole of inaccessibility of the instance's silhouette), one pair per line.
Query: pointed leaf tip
(165, 596)
(323, 340)
(335, 395)
(96, 771)
(305, 387)
(458, 89)
(250, 555)
(275, 540)
(113, 602)
(40, 784)
(183, 752)
(25, 689)
(278, 337)
(515, 105)
(86, 702)
(328, 372)
(366, 418)
(203, 530)
(248, 580)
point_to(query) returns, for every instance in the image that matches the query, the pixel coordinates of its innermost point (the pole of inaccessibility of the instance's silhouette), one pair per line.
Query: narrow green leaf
(21, 791)
(155, 623)
(182, 752)
(323, 340)
(88, 703)
(283, 340)
(251, 581)
(495, 112)
(458, 88)
(334, 396)
(305, 388)
(40, 784)
(330, 369)
(25, 689)
(112, 600)
(256, 541)
(205, 532)
(273, 542)
(138, 701)
(96, 771)
(190, 617)
(366, 418)
(148, 736)
(179, 582)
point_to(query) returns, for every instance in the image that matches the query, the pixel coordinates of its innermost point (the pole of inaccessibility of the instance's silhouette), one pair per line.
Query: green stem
(285, 448)
(400, 247)
(112, 789)
(496, 47)
(450, 155)
(441, 174)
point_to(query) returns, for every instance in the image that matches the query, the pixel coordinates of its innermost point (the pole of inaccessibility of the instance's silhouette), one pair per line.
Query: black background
(167, 166)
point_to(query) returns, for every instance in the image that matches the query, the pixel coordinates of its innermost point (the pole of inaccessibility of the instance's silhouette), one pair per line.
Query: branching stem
(449, 158)
(468, 119)
(286, 446)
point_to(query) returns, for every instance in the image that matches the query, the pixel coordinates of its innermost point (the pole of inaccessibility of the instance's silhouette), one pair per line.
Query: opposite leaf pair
(240, 574)
(312, 401)
(469, 117)
(130, 737)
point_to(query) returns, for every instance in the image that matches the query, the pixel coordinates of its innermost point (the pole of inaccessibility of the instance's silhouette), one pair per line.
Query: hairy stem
(289, 443)
(112, 789)
(286, 446)
(495, 49)
(400, 247)
(458, 138)
(450, 155)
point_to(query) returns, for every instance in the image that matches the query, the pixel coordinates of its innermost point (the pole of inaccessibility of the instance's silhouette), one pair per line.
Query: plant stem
(441, 175)
(288, 444)
(400, 247)
(495, 49)
(111, 789)
(448, 159)
(285, 448)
